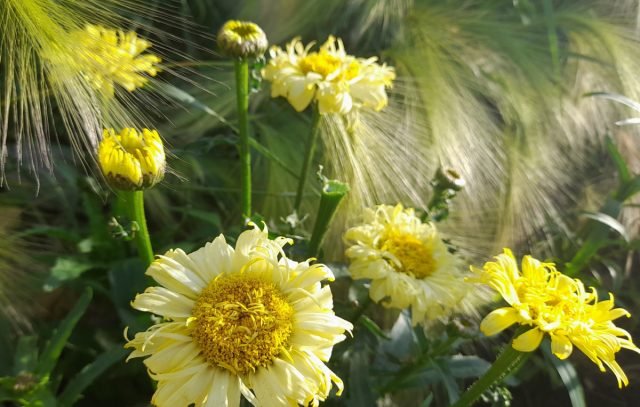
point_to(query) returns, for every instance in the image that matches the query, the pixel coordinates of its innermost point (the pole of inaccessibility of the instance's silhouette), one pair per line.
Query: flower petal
(498, 320)
(528, 341)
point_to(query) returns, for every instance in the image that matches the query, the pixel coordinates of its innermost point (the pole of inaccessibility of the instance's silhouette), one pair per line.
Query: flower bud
(448, 178)
(131, 160)
(242, 39)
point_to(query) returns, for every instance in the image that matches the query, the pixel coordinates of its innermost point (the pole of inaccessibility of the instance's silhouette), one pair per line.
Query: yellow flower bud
(131, 160)
(242, 39)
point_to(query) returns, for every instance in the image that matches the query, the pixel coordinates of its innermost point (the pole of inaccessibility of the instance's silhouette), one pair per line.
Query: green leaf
(372, 327)
(56, 344)
(65, 269)
(629, 189)
(360, 388)
(188, 99)
(427, 402)
(127, 279)
(618, 160)
(465, 367)
(268, 154)
(617, 98)
(569, 377)
(89, 374)
(26, 356)
(608, 221)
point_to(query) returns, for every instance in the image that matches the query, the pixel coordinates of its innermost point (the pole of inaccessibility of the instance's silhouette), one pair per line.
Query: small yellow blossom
(409, 265)
(243, 321)
(242, 39)
(131, 160)
(551, 303)
(337, 81)
(107, 57)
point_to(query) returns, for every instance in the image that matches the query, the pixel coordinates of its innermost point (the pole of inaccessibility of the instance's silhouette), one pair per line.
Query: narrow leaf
(617, 98)
(569, 377)
(608, 221)
(89, 374)
(618, 160)
(61, 335)
(26, 356)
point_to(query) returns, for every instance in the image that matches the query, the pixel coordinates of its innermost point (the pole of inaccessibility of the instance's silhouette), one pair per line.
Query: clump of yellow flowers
(131, 160)
(337, 81)
(106, 57)
(549, 302)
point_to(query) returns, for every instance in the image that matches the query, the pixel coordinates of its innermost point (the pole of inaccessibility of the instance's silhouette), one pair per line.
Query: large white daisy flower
(337, 81)
(244, 321)
(409, 265)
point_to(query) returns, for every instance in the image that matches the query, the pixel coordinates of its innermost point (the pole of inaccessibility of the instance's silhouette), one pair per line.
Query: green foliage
(494, 89)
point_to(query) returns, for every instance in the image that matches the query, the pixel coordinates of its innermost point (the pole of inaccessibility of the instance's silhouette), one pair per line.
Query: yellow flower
(244, 321)
(409, 265)
(337, 81)
(550, 302)
(107, 57)
(242, 39)
(131, 160)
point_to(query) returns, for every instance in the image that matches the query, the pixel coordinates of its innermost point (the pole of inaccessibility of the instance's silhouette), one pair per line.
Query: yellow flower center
(241, 323)
(244, 30)
(414, 256)
(325, 64)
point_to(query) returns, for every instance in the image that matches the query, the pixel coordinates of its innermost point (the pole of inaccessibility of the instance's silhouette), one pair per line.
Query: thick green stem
(134, 201)
(332, 193)
(308, 158)
(508, 359)
(242, 96)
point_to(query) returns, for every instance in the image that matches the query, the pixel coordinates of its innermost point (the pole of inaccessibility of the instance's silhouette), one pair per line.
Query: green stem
(552, 35)
(134, 201)
(242, 96)
(333, 192)
(508, 359)
(308, 158)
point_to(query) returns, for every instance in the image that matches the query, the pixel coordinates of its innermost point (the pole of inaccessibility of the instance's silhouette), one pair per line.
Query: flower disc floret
(131, 160)
(338, 82)
(547, 301)
(239, 322)
(409, 265)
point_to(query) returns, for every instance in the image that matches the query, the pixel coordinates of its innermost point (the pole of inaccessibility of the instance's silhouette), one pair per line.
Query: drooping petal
(528, 341)
(498, 320)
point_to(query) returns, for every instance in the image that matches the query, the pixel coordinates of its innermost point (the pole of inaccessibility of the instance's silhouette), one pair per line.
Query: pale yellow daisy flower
(107, 57)
(549, 302)
(337, 81)
(131, 160)
(239, 322)
(409, 265)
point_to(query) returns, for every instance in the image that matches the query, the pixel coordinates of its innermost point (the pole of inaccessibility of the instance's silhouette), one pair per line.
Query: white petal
(161, 301)
(213, 259)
